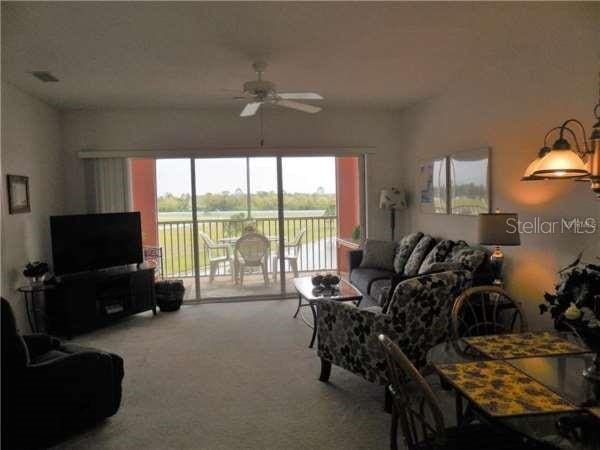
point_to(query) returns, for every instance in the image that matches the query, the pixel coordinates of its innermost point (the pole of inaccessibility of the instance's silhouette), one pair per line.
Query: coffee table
(306, 291)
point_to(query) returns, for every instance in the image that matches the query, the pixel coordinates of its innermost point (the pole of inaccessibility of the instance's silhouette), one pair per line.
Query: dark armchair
(50, 389)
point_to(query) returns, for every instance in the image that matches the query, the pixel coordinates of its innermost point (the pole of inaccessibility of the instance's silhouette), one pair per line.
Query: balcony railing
(317, 251)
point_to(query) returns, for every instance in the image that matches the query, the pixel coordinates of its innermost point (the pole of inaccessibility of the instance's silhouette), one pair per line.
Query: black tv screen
(95, 241)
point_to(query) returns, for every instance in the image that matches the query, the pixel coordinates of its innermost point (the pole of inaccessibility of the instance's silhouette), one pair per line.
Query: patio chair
(216, 254)
(294, 248)
(252, 250)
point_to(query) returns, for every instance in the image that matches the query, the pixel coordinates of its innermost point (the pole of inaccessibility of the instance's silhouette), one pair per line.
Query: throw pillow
(436, 255)
(418, 255)
(405, 247)
(378, 254)
(445, 266)
(470, 257)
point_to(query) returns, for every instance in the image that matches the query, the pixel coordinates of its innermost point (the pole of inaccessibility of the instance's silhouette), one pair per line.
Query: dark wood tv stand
(83, 302)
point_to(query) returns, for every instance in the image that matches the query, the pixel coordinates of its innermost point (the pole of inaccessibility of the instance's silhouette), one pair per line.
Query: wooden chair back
(415, 404)
(485, 310)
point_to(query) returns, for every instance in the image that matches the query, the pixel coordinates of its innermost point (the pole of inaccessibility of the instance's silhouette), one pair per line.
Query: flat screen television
(87, 242)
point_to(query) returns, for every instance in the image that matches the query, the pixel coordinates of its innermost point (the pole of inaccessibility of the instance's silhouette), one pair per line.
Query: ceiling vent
(46, 77)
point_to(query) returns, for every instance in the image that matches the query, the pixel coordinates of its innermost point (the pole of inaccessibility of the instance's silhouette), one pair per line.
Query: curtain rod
(226, 152)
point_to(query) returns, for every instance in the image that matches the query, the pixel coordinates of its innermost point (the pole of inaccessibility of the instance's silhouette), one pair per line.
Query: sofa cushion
(378, 255)
(367, 302)
(374, 309)
(405, 247)
(380, 290)
(418, 255)
(470, 257)
(436, 255)
(362, 278)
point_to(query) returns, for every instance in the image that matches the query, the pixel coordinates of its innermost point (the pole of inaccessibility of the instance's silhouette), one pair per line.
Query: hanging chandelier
(570, 157)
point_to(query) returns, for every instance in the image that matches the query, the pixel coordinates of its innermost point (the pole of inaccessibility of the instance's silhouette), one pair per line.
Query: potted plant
(575, 306)
(35, 272)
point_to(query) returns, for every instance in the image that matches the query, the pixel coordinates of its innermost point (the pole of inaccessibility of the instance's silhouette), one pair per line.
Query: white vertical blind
(109, 185)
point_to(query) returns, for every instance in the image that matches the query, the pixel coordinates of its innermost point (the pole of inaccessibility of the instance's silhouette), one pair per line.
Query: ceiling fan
(259, 92)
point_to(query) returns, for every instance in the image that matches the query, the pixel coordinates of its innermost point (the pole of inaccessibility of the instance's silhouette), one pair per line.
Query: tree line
(236, 201)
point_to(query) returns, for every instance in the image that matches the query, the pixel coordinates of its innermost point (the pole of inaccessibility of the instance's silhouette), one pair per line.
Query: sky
(302, 174)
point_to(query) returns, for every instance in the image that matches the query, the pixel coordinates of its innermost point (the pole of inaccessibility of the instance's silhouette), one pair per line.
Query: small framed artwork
(469, 174)
(18, 194)
(432, 187)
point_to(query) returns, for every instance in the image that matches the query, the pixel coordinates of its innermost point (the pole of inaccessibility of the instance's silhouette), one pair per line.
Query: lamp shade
(531, 168)
(392, 199)
(528, 175)
(560, 163)
(499, 229)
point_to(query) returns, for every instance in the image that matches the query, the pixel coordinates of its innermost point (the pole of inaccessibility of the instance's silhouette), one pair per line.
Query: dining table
(530, 383)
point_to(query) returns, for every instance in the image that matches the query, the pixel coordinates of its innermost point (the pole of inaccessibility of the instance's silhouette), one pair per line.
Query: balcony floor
(223, 287)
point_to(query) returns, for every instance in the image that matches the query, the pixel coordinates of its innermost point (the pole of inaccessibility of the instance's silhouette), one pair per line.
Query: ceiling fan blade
(299, 106)
(300, 96)
(250, 109)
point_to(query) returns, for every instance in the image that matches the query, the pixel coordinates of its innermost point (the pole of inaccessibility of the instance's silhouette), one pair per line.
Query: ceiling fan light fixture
(263, 92)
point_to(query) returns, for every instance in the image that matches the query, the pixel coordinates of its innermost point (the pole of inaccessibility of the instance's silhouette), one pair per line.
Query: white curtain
(108, 185)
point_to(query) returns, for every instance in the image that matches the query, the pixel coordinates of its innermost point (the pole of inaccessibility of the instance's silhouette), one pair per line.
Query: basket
(169, 294)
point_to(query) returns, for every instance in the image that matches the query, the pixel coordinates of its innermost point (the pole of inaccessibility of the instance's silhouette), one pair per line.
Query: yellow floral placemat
(595, 411)
(523, 345)
(502, 390)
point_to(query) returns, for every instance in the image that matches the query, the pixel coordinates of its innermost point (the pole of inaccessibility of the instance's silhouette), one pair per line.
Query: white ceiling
(384, 55)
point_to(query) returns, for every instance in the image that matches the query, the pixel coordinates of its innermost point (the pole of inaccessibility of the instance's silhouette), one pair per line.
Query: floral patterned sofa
(417, 318)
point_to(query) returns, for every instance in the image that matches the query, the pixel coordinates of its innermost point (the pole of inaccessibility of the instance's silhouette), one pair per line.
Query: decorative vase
(36, 282)
(591, 337)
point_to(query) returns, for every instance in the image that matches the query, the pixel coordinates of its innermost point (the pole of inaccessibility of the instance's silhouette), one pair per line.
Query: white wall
(189, 129)
(31, 146)
(509, 106)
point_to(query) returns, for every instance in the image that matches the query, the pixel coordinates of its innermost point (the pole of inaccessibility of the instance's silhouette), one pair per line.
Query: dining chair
(416, 408)
(216, 254)
(485, 310)
(291, 254)
(252, 250)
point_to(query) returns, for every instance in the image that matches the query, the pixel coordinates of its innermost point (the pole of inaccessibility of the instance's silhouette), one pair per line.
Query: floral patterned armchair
(418, 318)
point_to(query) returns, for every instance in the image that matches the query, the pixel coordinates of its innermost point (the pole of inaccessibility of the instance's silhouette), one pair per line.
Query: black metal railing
(317, 248)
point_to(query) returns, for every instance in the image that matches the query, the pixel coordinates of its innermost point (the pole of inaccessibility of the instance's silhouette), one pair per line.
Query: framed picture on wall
(469, 174)
(432, 186)
(18, 194)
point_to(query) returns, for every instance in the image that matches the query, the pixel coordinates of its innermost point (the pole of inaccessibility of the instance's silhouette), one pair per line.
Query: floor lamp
(393, 200)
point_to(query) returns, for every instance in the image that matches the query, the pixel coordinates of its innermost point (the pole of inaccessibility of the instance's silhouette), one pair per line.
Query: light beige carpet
(231, 376)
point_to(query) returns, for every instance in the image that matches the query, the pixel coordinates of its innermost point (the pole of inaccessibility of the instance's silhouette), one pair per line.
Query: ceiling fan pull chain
(262, 138)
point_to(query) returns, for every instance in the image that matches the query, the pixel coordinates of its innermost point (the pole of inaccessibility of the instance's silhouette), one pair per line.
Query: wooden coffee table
(306, 291)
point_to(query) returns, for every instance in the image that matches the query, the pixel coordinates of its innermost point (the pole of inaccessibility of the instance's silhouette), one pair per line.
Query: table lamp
(394, 200)
(498, 229)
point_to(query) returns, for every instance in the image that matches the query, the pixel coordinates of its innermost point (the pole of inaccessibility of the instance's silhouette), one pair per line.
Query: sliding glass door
(310, 216)
(223, 225)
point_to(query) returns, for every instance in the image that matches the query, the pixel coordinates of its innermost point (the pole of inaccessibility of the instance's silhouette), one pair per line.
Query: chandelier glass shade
(563, 162)
(558, 164)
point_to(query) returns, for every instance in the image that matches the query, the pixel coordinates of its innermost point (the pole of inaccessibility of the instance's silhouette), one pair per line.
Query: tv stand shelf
(83, 302)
